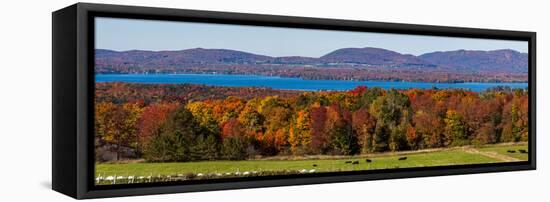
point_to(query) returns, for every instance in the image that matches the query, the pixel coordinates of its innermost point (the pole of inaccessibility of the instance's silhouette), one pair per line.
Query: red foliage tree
(151, 119)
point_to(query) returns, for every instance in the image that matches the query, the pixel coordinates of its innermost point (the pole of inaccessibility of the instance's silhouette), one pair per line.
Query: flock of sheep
(130, 179)
(101, 179)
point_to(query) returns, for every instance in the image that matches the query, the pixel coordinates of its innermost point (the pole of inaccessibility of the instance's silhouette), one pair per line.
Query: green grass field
(458, 156)
(503, 150)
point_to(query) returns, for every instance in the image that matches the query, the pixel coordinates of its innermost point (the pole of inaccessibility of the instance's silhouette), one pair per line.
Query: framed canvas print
(154, 100)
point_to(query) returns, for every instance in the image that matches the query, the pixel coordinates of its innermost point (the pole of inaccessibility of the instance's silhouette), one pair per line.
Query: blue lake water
(285, 83)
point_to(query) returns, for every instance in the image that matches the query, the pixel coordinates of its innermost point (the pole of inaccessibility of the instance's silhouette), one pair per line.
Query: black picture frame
(72, 98)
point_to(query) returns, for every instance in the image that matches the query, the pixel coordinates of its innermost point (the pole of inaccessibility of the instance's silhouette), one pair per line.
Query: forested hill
(346, 63)
(497, 60)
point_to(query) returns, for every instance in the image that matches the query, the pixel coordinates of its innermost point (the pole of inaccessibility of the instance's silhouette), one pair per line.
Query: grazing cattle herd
(523, 151)
(370, 161)
(402, 158)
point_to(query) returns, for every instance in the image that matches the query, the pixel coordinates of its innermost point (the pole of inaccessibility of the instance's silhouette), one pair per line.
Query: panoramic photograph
(186, 101)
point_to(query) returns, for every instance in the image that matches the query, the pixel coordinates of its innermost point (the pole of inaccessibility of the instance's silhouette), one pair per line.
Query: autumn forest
(183, 122)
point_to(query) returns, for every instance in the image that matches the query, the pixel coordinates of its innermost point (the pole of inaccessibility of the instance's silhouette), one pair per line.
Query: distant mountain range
(464, 60)
(374, 57)
(496, 60)
(342, 64)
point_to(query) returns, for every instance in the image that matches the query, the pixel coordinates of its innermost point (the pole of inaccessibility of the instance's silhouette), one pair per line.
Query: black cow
(368, 160)
(523, 151)
(511, 151)
(403, 158)
(314, 165)
(348, 161)
(355, 162)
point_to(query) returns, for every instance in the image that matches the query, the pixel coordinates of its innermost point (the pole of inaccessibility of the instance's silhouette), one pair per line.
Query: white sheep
(131, 179)
(98, 179)
(111, 179)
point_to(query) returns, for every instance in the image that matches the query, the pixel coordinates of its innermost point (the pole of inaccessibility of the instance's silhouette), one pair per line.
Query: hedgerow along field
(313, 164)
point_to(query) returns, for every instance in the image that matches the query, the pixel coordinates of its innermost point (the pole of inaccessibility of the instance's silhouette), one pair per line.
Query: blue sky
(130, 34)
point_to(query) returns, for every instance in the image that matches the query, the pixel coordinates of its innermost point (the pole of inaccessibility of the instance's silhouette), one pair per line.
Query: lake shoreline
(302, 78)
(289, 83)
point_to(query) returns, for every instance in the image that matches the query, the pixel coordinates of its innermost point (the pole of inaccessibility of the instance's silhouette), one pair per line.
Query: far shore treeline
(182, 122)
